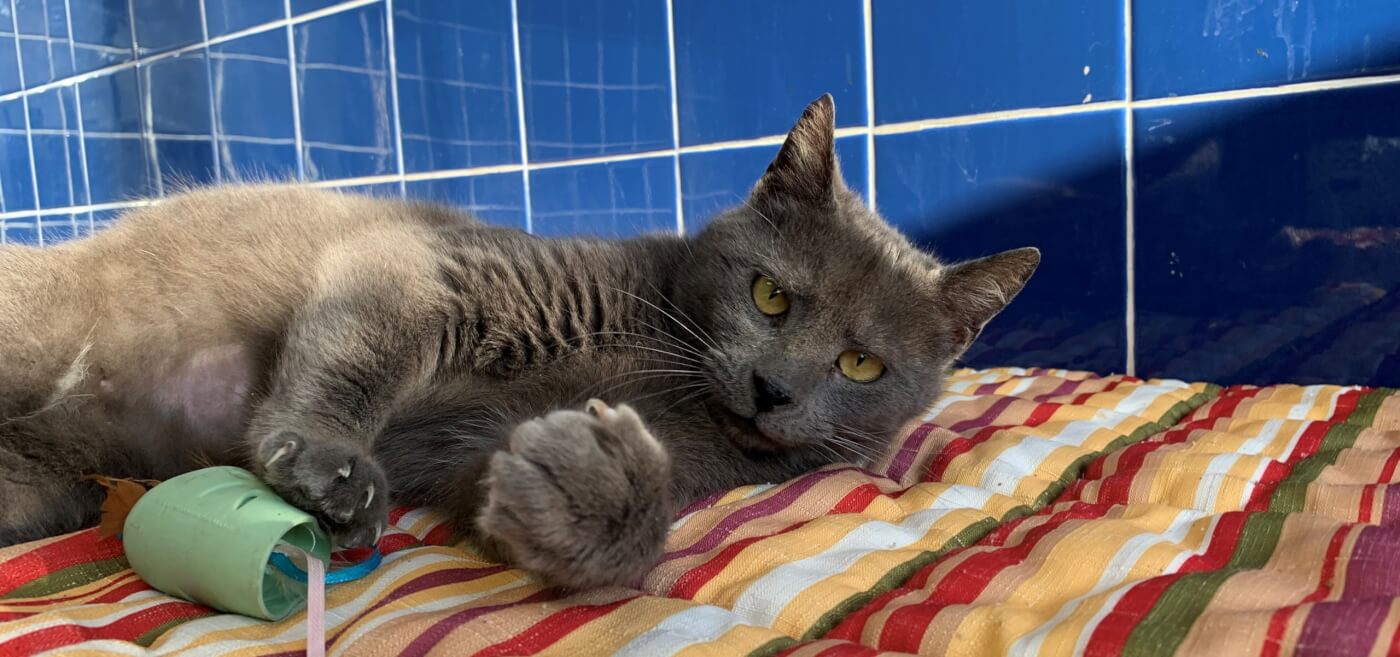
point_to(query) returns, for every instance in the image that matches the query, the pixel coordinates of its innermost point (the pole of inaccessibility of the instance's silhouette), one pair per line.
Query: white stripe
(768, 595)
(679, 631)
(124, 608)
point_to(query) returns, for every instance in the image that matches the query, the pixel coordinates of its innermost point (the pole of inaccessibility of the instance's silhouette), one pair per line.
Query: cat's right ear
(974, 292)
(805, 169)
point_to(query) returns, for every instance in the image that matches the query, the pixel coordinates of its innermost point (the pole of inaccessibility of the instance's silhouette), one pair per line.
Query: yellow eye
(770, 299)
(859, 366)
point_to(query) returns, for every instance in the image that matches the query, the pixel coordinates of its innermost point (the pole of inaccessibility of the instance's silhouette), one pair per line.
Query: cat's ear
(805, 168)
(974, 292)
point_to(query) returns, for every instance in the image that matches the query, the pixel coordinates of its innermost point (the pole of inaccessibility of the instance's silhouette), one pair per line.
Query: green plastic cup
(206, 536)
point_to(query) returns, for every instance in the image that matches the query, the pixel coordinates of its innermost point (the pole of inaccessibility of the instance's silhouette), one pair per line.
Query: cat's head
(829, 330)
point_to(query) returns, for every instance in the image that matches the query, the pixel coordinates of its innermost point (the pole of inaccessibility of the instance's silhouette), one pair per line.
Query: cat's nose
(769, 393)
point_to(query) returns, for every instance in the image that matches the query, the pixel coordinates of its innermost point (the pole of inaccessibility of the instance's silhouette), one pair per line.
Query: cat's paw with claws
(580, 497)
(335, 480)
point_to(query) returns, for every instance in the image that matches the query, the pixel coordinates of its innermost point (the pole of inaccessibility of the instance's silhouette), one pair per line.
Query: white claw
(281, 452)
(369, 495)
(378, 531)
(345, 470)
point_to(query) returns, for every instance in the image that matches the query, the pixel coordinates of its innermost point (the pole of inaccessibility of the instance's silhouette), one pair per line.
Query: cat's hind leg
(580, 498)
(38, 501)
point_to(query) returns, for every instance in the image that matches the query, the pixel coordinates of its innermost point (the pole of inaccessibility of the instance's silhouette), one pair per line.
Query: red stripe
(1368, 493)
(1083, 398)
(439, 535)
(972, 575)
(80, 548)
(545, 633)
(1278, 622)
(126, 628)
(959, 446)
(1112, 633)
(47, 601)
(1308, 444)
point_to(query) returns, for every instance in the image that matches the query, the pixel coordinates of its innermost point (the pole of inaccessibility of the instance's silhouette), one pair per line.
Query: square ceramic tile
(62, 228)
(1264, 259)
(228, 16)
(613, 199)
(1184, 48)
(101, 33)
(939, 59)
(166, 24)
(181, 118)
(1054, 183)
(53, 121)
(747, 69)
(714, 181)
(347, 119)
(252, 95)
(118, 154)
(456, 76)
(496, 198)
(111, 103)
(24, 231)
(377, 190)
(300, 7)
(45, 51)
(597, 77)
(9, 59)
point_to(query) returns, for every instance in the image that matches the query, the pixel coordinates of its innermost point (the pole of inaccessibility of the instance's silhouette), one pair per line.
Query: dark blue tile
(103, 218)
(112, 103)
(163, 25)
(300, 7)
(101, 33)
(613, 199)
(252, 91)
(746, 69)
(377, 190)
(939, 59)
(496, 198)
(16, 179)
(62, 228)
(185, 162)
(1263, 259)
(53, 120)
(119, 168)
(19, 231)
(1180, 48)
(597, 77)
(228, 16)
(1054, 183)
(179, 91)
(456, 84)
(343, 73)
(43, 40)
(713, 181)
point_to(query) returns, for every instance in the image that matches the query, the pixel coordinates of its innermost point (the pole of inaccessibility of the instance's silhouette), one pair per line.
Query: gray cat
(354, 351)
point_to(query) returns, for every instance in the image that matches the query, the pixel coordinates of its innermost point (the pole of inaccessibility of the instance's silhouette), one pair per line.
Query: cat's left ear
(805, 169)
(974, 292)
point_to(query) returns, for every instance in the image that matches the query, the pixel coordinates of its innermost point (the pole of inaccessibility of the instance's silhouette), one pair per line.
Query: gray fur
(355, 352)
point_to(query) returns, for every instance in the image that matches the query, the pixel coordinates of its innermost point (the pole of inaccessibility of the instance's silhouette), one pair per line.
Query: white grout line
(99, 207)
(24, 106)
(990, 117)
(1129, 198)
(78, 111)
(296, 92)
(870, 103)
(675, 112)
(520, 114)
(1268, 92)
(143, 92)
(394, 91)
(209, 84)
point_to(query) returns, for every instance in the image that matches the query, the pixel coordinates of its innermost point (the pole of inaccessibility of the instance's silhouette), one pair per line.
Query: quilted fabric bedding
(1032, 512)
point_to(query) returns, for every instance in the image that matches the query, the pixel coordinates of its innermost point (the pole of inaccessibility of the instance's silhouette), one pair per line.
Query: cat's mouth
(744, 431)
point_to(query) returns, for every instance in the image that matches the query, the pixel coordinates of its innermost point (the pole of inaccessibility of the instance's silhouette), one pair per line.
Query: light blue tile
(228, 16)
(1054, 183)
(456, 84)
(940, 59)
(613, 199)
(597, 77)
(300, 7)
(57, 148)
(497, 198)
(22, 231)
(63, 228)
(746, 69)
(16, 178)
(166, 24)
(43, 40)
(713, 181)
(9, 61)
(101, 33)
(377, 190)
(252, 91)
(1183, 48)
(346, 117)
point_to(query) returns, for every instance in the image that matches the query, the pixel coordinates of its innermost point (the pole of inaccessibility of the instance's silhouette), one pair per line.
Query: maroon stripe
(1390, 509)
(1344, 627)
(904, 459)
(704, 502)
(774, 504)
(1371, 569)
(430, 637)
(986, 417)
(430, 580)
(1064, 388)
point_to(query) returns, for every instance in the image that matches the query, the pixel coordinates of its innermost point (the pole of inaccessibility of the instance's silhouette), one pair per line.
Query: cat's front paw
(580, 497)
(335, 480)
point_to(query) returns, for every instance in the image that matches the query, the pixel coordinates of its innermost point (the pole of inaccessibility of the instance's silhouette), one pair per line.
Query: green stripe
(150, 636)
(1165, 626)
(70, 577)
(773, 647)
(1292, 492)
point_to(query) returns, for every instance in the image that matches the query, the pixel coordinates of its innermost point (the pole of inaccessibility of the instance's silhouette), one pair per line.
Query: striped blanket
(1031, 512)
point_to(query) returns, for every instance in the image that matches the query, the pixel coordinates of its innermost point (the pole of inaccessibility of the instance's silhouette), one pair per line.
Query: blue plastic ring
(338, 576)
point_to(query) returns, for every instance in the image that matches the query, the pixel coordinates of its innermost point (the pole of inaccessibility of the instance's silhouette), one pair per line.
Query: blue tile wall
(1249, 237)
